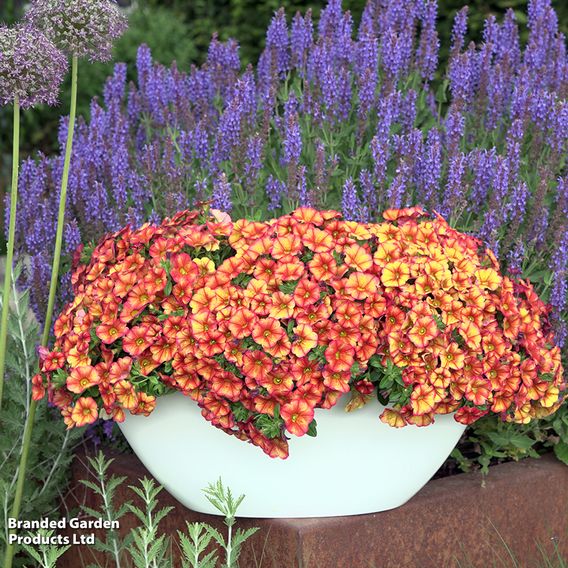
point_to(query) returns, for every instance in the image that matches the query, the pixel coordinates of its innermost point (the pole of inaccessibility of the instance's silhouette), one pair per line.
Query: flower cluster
(333, 117)
(31, 67)
(81, 28)
(262, 322)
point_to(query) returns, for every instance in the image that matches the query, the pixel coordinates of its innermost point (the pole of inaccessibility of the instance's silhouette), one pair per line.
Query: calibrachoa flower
(31, 67)
(262, 323)
(82, 28)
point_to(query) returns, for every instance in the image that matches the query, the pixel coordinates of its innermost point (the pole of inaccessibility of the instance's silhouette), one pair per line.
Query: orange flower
(138, 339)
(323, 266)
(267, 332)
(306, 339)
(256, 365)
(358, 258)
(423, 399)
(282, 306)
(38, 390)
(297, 416)
(423, 331)
(452, 356)
(85, 411)
(361, 285)
(82, 378)
(109, 332)
(392, 418)
(488, 278)
(395, 274)
(336, 380)
(306, 293)
(285, 246)
(242, 322)
(339, 356)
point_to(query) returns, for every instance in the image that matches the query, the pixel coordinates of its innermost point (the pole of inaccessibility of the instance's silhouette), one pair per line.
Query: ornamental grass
(260, 323)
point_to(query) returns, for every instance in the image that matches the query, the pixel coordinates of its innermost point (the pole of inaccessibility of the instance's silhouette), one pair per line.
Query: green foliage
(222, 499)
(490, 440)
(51, 445)
(45, 555)
(145, 546)
(105, 488)
(149, 549)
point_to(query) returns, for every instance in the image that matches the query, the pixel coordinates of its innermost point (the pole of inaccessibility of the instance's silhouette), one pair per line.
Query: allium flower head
(31, 67)
(82, 28)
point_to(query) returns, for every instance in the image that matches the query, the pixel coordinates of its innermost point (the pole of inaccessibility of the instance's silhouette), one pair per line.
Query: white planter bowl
(356, 464)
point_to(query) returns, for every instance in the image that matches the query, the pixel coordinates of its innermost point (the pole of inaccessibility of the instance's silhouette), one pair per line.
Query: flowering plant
(262, 322)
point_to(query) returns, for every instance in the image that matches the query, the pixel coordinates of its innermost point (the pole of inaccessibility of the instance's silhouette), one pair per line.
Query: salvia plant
(334, 115)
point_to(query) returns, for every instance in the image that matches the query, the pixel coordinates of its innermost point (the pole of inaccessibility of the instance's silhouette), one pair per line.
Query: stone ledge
(460, 517)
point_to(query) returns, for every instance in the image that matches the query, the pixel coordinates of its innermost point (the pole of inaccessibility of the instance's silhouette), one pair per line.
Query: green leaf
(312, 429)
(561, 451)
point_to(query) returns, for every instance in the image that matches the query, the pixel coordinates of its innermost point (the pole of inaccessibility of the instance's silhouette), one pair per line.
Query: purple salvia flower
(558, 133)
(459, 30)
(228, 132)
(301, 40)
(507, 47)
(369, 195)
(302, 190)
(454, 125)
(430, 168)
(253, 158)
(330, 19)
(427, 54)
(31, 67)
(292, 139)
(514, 143)
(350, 203)
(274, 191)
(71, 236)
(396, 52)
(366, 68)
(399, 186)
(81, 28)
(221, 196)
(115, 85)
(278, 43)
(482, 162)
(462, 74)
(367, 26)
(559, 268)
(223, 65)
(517, 206)
(454, 198)
(515, 259)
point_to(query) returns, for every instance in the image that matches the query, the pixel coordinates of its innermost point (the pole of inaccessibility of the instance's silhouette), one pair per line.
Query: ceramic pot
(355, 465)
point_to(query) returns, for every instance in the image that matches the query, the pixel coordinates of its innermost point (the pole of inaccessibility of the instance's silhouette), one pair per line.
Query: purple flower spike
(31, 67)
(221, 198)
(81, 28)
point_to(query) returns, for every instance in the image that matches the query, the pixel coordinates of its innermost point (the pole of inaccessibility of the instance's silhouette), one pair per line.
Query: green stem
(10, 244)
(62, 202)
(15, 513)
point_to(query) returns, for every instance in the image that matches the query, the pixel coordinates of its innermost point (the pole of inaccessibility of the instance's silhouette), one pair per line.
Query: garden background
(176, 31)
(181, 30)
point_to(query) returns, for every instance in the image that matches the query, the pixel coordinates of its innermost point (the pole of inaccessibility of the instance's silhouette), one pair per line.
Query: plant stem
(10, 244)
(62, 202)
(15, 513)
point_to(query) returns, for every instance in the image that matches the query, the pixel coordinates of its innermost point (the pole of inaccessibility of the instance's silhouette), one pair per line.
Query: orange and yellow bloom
(261, 323)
